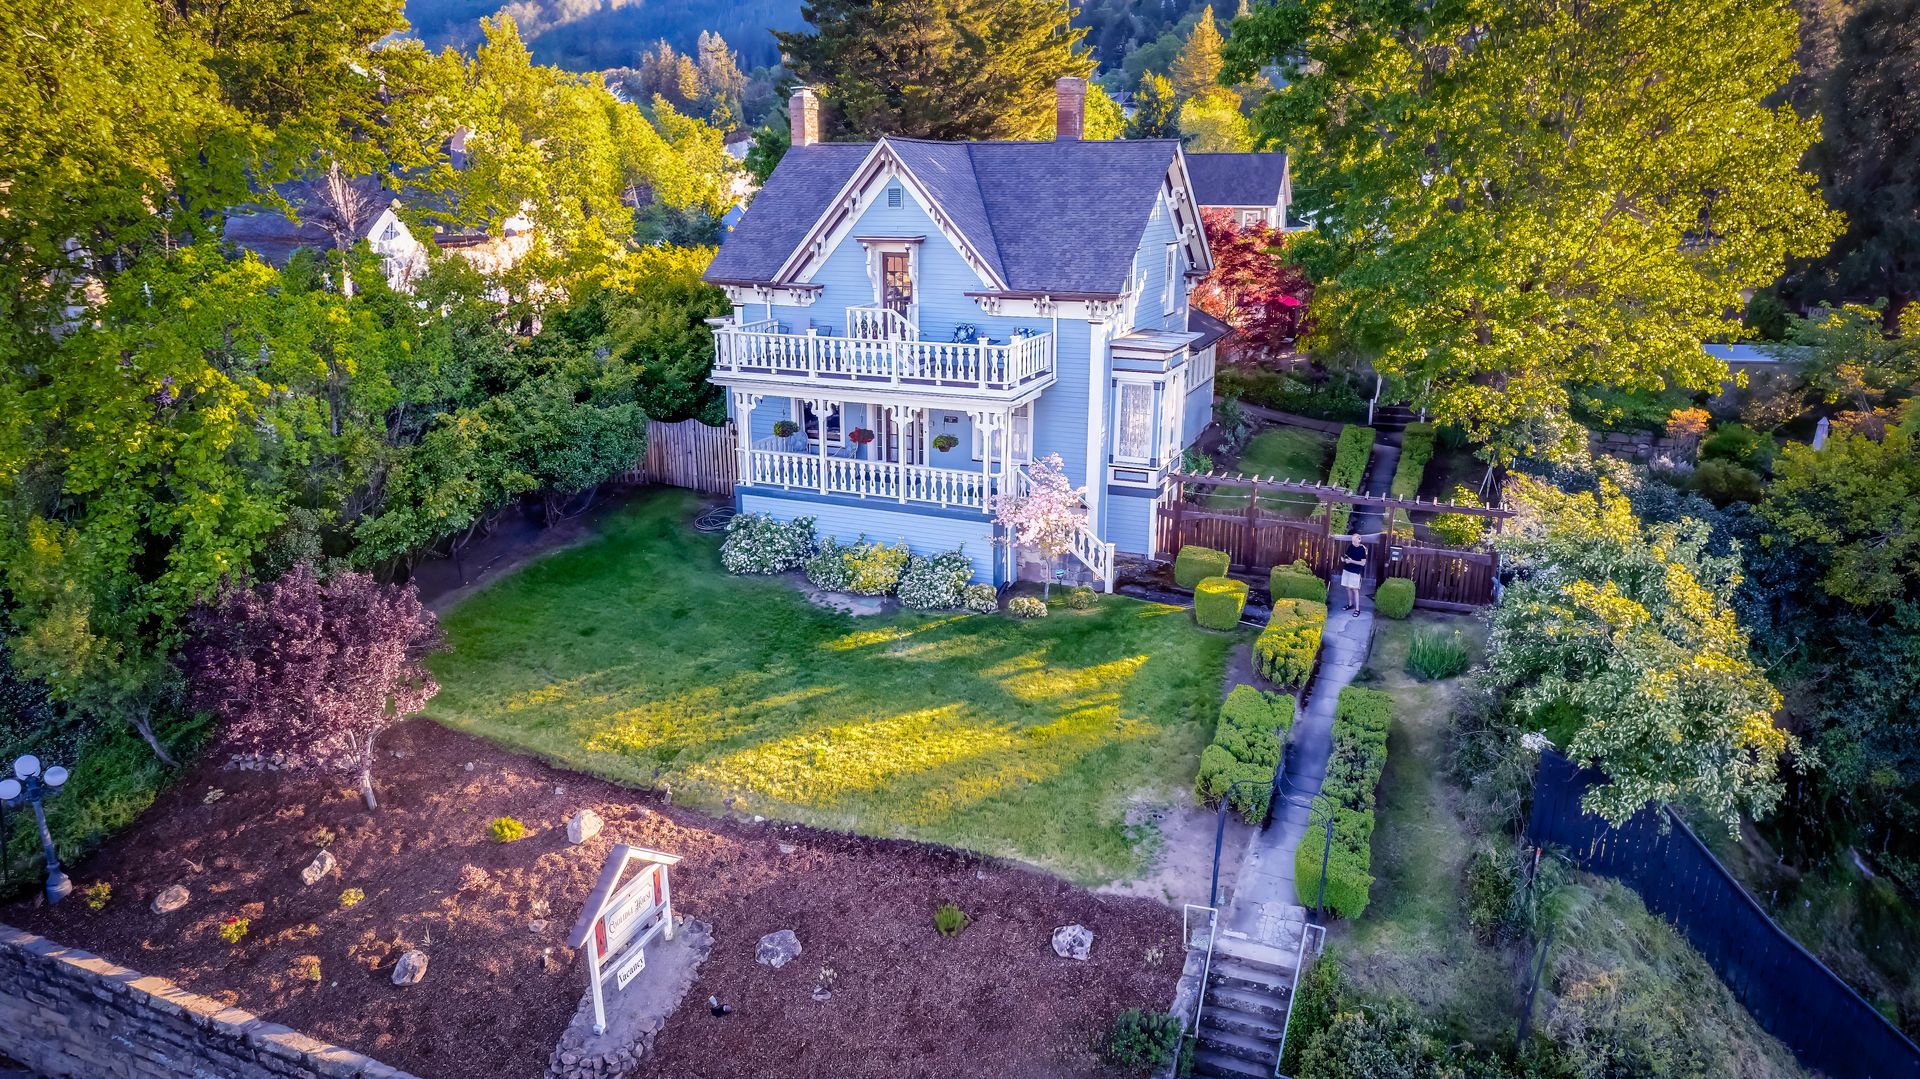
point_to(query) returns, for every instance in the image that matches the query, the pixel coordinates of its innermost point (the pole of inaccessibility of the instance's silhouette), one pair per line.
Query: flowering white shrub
(938, 582)
(982, 598)
(757, 543)
(1027, 607)
(829, 570)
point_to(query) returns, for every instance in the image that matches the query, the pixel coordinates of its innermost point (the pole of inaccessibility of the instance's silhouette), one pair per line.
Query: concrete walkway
(1265, 898)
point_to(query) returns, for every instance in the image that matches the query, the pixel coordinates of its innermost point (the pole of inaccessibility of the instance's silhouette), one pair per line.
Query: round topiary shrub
(1080, 597)
(982, 598)
(1027, 607)
(1394, 597)
(1296, 581)
(1218, 601)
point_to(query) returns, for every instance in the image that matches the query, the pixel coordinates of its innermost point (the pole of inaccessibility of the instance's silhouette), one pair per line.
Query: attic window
(893, 198)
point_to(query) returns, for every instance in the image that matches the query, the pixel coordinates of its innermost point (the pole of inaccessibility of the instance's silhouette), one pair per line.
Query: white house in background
(1255, 188)
(915, 322)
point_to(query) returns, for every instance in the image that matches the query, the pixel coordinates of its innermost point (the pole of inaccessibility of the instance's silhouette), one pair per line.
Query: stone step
(1254, 1050)
(1210, 1063)
(1262, 1025)
(1253, 953)
(1236, 974)
(1266, 1007)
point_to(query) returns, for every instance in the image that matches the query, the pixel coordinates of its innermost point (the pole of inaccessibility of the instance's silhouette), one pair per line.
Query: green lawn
(1286, 453)
(635, 657)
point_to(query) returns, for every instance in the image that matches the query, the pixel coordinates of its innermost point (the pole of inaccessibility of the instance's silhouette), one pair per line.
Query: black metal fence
(1827, 1025)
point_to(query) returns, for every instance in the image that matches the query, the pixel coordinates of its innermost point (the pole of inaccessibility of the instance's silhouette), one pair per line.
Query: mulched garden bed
(993, 1001)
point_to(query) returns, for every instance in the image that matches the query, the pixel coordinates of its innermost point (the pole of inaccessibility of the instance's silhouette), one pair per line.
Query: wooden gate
(1445, 578)
(1254, 540)
(689, 454)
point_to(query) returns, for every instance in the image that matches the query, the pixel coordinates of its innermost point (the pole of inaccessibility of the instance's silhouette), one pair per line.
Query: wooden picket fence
(689, 454)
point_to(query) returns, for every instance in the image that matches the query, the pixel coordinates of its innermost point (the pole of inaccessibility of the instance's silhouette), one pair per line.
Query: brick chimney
(1070, 108)
(803, 112)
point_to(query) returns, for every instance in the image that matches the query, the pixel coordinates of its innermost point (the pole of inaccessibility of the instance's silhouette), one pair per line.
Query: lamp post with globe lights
(29, 786)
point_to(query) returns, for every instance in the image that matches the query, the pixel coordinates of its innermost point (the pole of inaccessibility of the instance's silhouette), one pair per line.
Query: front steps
(1248, 985)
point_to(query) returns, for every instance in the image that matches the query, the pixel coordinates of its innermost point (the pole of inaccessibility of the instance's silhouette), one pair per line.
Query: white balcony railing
(881, 480)
(878, 320)
(755, 352)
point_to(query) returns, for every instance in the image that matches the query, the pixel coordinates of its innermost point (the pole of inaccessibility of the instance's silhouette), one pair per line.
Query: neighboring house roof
(1210, 329)
(274, 236)
(1062, 217)
(1757, 352)
(1238, 179)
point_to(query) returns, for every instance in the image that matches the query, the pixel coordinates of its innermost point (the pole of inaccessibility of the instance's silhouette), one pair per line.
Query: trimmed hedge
(1195, 563)
(1296, 581)
(1285, 650)
(1248, 744)
(1081, 597)
(1361, 719)
(1350, 456)
(1218, 601)
(1394, 597)
(1416, 449)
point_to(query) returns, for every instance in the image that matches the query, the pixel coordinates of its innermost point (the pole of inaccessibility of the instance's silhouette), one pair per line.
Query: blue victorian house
(914, 322)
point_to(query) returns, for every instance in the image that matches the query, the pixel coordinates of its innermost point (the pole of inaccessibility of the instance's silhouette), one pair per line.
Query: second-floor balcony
(881, 351)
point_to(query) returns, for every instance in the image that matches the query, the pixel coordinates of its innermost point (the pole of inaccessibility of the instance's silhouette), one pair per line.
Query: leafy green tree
(1104, 119)
(1154, 108)
(1869, 155)
(1853, 509)
(1211, 124)
(1853, 361)
(1567, 193)
(939, 69)
(1627, 632)
(1196, 71)
(771, 141)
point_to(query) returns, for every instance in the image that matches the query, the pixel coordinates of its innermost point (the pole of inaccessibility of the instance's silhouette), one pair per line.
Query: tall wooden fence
(1444, 578)
(689, 454)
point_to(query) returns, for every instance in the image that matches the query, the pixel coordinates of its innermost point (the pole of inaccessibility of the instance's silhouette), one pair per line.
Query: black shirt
(1356, 557)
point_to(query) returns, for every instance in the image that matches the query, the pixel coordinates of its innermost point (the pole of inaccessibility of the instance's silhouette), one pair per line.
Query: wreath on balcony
(943, 443)
(860, 436)
(785, 429)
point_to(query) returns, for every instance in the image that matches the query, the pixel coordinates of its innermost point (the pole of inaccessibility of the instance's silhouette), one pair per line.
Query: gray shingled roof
(1059, 217)
(1209, 328)
(1237, 179)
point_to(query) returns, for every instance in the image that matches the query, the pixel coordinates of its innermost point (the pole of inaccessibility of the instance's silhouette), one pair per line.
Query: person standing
(1352, 566)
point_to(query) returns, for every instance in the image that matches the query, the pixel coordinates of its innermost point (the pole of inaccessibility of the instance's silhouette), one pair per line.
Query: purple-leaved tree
(1046, 516)
(308, 673)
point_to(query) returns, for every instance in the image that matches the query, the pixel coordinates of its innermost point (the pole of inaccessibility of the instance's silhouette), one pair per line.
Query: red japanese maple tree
(1253, 287)
(307, 673)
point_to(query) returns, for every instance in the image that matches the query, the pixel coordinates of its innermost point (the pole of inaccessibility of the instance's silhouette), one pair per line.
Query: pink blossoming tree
(1045, 517)
(308, 673)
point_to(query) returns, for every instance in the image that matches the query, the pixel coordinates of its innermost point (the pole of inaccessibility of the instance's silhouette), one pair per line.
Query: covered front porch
(953, 457)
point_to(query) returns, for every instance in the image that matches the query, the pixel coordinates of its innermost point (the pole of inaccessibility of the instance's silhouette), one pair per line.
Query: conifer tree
(1196, 71)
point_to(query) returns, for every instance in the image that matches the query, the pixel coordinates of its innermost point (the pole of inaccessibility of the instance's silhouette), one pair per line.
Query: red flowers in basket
(860, 436)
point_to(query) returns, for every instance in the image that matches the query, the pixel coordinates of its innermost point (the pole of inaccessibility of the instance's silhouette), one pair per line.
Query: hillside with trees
(593, 35)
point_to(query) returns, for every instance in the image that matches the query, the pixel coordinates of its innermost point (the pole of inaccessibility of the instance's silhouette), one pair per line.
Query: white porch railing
(758, 354)
(880, 480)
(878, 320)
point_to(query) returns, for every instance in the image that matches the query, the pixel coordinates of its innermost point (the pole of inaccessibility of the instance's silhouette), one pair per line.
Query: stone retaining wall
(64, 1012)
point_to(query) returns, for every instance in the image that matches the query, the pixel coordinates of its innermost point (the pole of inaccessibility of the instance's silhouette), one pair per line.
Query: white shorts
(1349, 579)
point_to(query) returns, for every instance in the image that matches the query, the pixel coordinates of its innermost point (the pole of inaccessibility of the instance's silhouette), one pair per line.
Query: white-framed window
(390, 233)
(1133, 421)
(1173, 278)
(810, 423)
(1252, 217)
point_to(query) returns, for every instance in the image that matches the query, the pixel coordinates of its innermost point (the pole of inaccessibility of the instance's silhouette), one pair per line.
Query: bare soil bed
(993, 1001)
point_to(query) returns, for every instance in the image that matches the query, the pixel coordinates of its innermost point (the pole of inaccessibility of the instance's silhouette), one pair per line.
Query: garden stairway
(1245, 1007)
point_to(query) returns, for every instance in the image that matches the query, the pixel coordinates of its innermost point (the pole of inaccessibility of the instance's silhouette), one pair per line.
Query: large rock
(584, 826)
(778, 949)
(170, 899)
(411, 968)
(1073, 942)
(322, 864)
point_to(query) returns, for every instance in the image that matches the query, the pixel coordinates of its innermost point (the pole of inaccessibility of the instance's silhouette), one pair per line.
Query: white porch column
(821, 407)
(743, 405)
(988, 422)
(902, 416)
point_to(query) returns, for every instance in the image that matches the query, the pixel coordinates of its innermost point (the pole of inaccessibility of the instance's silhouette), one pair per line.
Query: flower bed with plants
(1361, 719)
(1248, 745)
(757, 543)
(1285, 651)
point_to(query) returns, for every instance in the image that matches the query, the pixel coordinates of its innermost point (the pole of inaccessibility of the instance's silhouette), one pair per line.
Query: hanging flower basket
(943, 443)
(860, 436)
(785, 429)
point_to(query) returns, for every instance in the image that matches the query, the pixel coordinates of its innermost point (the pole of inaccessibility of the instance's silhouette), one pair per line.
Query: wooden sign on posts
(620, 918)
